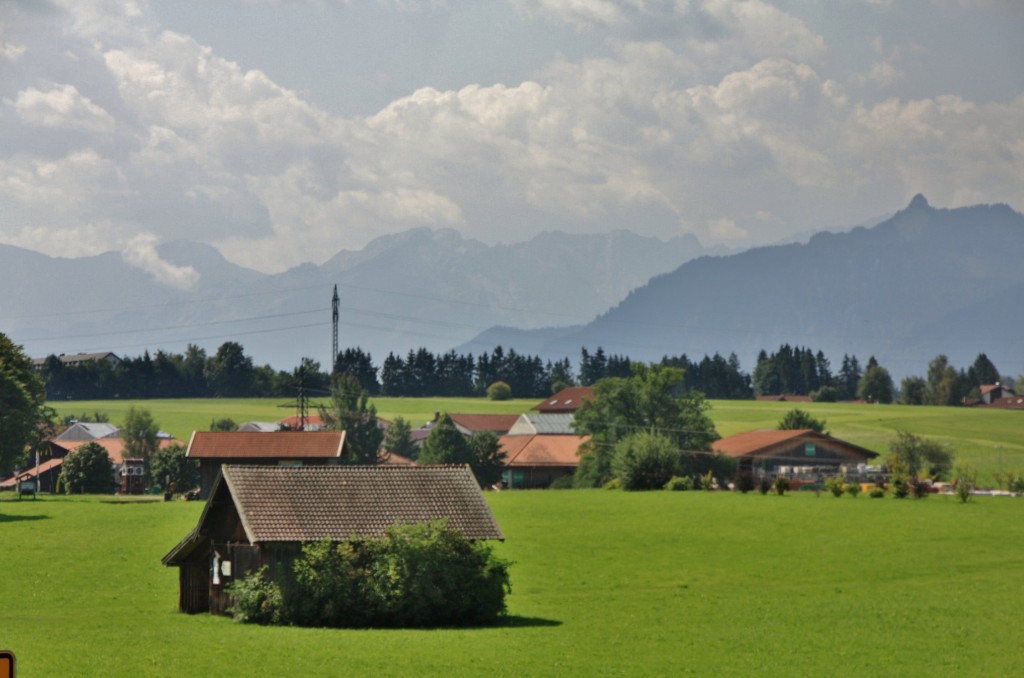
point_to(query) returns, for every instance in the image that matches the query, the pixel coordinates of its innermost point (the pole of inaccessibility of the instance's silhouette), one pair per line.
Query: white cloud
(579, 14)
(62, 107)
(140, 252)
(726, 230)
(717, 117)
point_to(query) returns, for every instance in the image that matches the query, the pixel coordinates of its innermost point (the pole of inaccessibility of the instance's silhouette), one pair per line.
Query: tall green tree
(349, 410)
(445, 444)
(140, 435)
(912, 390)
(230, 373)
(875, 384)
(22, 403)
(651, 399)
(797, 420)
(487, 459)
(398, 439)
(173, 471)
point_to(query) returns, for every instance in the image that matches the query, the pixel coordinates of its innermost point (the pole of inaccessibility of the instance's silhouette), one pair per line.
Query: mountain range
(925, 282)
(429, 288)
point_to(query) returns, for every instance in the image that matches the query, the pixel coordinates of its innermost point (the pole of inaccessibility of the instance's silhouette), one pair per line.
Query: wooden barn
(262, 515)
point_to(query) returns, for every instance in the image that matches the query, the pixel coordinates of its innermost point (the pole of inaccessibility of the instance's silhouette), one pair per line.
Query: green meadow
(604, 583)
(990, 440)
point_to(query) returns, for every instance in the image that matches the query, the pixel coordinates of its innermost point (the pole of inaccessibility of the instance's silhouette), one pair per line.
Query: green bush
(780, 485)
(966, 480)
(499, 390)
(257, 599)
(745, 481)
(877, 492)
(420, 575)
(613, 484)
(834, 484)
(707, 481)
(563, 483)
(852, 489)
(645, 461)
(919, 487)
(679, 484)
(764, 486)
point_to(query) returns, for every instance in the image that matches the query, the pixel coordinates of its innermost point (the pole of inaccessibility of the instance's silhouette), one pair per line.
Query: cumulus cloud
(724, 122)
(62, 106)
(140, 252)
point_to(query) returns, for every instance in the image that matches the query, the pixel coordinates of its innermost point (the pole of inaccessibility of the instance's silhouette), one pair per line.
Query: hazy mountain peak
(918, 202)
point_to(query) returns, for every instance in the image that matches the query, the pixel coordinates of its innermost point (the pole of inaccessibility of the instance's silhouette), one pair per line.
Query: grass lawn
(603, 583)
(990, 440)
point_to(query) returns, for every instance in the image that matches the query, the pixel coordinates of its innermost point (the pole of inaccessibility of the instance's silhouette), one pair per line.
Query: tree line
(790, 370)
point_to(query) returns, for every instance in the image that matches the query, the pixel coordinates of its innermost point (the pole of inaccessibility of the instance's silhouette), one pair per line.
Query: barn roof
(495, 423)
(753, 443)
(256, 445)
(115, 446)
(310, 503)
(542, 450)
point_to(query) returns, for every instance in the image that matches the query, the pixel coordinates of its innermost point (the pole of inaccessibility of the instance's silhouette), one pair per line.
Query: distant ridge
(430, 288)
(924, 282)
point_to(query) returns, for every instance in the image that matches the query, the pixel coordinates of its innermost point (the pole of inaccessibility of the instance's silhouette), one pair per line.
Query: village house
(792, 453)
(213, 449)
(262, 515)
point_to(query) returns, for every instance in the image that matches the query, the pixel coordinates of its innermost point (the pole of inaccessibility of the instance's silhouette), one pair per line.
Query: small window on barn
(289, 462)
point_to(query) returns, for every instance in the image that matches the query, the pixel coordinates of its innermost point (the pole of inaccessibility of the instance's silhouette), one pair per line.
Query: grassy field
(990, 440)
(603, 583)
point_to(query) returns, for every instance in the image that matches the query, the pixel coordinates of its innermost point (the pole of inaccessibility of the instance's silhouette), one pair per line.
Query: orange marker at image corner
(6, 664)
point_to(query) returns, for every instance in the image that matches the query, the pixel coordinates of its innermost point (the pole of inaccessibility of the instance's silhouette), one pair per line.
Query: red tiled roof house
(212, 449)
(772, 452)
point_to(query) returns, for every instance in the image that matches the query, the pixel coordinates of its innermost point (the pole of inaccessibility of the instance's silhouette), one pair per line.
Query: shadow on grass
(515, 622)
(15, 519)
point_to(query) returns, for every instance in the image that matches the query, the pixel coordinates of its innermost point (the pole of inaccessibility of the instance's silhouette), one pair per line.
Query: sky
(283, 131)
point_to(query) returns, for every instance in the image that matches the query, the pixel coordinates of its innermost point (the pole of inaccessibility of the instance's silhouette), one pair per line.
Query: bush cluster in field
(420, 575)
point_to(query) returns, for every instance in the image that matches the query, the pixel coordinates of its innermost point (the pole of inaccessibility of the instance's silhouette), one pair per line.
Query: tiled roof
(1011, 402)
(260, 427)
(255, 445)
(542, 450)
(496, 423)
(294, 421)
(86, 430)
(753, 442)
(342, 502)
(47, 465)
(115, 446)
(566, 400)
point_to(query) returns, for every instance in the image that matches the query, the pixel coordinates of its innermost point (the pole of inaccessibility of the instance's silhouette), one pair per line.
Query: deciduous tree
(22, 402)
(649, 400)
(88, 469)
(349, 410)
